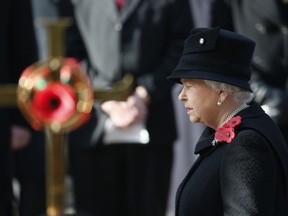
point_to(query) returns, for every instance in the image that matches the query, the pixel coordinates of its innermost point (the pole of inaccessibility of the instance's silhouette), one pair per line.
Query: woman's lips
(188, 109)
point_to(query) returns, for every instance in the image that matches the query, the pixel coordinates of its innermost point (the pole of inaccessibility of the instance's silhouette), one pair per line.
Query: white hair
(239, 95)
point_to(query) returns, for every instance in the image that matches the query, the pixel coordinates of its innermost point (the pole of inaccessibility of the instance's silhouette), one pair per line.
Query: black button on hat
(218, 55)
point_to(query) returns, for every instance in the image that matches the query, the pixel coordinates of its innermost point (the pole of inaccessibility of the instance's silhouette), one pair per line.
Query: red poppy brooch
(226, 132)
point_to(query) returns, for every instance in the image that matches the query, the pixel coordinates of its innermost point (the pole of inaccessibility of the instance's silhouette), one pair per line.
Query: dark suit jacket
(245, 177)
(17, 51)
(146, 39)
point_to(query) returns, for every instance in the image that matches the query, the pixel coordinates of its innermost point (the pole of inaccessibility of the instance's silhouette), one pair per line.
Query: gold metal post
(8, 96)
(55, 172)
(56, 143)
(55, 31)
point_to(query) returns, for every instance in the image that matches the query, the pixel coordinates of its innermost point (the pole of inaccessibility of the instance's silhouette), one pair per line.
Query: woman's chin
(194, 119)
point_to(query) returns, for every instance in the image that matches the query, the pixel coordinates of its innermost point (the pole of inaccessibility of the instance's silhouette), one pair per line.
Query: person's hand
(20, 137)
(125, 113)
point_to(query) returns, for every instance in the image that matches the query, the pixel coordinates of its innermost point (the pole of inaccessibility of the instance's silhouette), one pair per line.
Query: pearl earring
(219, 103)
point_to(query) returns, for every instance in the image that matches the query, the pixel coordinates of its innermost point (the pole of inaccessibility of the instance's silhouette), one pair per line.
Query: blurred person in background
(26, 160)
(18, 50)
(115, 172)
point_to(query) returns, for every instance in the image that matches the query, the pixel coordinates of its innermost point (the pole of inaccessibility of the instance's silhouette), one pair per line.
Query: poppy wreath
(55, 94)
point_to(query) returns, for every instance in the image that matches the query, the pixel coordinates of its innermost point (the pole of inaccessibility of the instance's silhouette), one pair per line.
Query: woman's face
(200, 101)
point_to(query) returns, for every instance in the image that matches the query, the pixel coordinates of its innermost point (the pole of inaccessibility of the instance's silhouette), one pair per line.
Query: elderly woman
(243, 158)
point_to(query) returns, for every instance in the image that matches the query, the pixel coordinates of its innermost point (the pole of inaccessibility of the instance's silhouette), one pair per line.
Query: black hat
(218, 55)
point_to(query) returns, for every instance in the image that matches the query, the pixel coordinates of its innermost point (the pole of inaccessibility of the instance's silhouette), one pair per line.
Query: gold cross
(56, 139)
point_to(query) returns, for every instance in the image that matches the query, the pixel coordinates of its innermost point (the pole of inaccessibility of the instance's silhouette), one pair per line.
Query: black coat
(146, 39)
(17, 51)
(245, 177)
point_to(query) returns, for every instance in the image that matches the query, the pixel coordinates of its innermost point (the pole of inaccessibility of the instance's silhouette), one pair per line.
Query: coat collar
(128, 8)
(205, 141)
(252, 117)
(109, 8)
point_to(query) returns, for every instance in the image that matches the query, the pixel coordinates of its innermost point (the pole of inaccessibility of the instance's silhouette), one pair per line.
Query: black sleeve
(249, 176)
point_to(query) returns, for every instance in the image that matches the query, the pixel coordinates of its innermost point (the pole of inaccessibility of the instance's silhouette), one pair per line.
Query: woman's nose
(181, 95)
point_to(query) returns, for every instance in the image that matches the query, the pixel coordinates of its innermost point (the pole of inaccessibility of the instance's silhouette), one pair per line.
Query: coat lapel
(111, 9)
(187, 177)
(203, 148)
(129, 7)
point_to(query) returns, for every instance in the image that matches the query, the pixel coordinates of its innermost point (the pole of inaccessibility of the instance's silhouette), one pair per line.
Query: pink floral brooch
(226, 132)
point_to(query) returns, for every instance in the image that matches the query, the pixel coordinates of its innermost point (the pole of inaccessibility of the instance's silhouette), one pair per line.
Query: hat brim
(204, 75)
